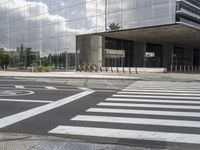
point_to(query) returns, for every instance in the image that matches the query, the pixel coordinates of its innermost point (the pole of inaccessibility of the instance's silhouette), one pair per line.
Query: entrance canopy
(177, 34)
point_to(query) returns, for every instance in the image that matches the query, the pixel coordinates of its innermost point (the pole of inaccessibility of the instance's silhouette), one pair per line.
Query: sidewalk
(104, 75)
(10, 141)
(80, 75)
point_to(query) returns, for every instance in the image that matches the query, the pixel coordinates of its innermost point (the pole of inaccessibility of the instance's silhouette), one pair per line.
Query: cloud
(36, 26)
(41, 31)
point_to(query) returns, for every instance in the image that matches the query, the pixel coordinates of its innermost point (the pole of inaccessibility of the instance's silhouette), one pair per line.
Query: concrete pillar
(139, 54)
(167, 56)
(90, 47)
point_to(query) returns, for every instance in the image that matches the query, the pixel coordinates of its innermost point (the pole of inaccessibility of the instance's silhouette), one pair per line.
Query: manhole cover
(15, 93)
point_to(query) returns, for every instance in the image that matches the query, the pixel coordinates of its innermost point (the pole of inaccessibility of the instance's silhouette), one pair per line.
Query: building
(111, 33)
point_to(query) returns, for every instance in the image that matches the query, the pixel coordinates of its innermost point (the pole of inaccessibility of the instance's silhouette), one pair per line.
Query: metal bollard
(171, 68)
(195, 69)
(188, 68)
(101, 69)
(136, 71)
(184, 68)
(117, 70)
(111, 69)
(176, 68)
(129, 70)
(192, 68)
(123, 70)
(180, 68)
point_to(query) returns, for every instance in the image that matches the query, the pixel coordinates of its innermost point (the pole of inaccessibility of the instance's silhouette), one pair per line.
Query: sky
(52, 26)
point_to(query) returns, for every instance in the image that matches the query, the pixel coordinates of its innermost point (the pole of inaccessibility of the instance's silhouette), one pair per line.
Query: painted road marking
(4, 122)
(164, 91)
(149, 105)
(27, 101)
(141, 121)
(84, 89)
(19, 86)
(15, 92)
(157, 96)
(152, 100)
(145, 112)
(50, 88)
(128, 134)
(160, 93)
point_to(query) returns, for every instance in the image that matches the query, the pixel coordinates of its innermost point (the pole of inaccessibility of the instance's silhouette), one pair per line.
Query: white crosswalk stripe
(164, 91)
(50, 88)
(157, 96)
(128, 134)
(19, 87)
(169, 106)
(159, 93)
(162, 122)
(152, 101)
(145, 112)
(149, 105)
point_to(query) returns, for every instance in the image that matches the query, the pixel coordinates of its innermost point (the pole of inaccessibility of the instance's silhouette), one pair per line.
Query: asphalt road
(156, 114)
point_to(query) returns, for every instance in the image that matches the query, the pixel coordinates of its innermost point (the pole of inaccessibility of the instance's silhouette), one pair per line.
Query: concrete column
(91, 47)
(167, 55)
(139, 54)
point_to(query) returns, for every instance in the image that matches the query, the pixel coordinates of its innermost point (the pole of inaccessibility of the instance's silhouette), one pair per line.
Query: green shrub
(46, 69)
(39, 68)
(12, 69)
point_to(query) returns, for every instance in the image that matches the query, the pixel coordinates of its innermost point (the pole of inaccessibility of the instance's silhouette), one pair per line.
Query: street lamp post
(66, 60)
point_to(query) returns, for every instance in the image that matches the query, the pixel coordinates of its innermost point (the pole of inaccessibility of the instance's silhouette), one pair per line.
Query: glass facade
(49, 27)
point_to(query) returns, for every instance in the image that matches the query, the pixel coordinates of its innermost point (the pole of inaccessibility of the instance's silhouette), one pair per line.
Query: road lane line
(150, 105)
(27, 101)
(19, 86)
(141, 121)
(127, 134)
(4, 122)
(84, 89)
(157, 96)
(50, 88)
(152, 100)
(145, 112)
(159, 93)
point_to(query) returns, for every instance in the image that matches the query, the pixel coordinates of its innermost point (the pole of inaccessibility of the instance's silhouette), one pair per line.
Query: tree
(4, 58)
(30, 57)
(114, 26)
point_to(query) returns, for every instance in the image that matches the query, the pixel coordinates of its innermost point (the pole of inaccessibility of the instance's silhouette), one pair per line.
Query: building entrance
(196, 57)
(154, 55)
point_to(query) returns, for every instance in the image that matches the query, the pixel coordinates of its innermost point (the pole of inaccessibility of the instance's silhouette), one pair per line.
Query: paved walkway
(30, 142)
(91, 75)
(103, 75)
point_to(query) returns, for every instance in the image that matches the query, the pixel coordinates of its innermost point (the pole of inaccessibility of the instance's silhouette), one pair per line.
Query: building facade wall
(52, 26)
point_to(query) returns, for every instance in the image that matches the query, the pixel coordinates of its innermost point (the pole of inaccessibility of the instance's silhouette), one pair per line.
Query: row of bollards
(185, 68)
(117, 70)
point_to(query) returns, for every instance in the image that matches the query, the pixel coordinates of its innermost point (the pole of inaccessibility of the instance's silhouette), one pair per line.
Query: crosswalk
(146, 111)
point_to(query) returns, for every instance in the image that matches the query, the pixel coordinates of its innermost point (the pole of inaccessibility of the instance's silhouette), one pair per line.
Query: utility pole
(66, 60)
